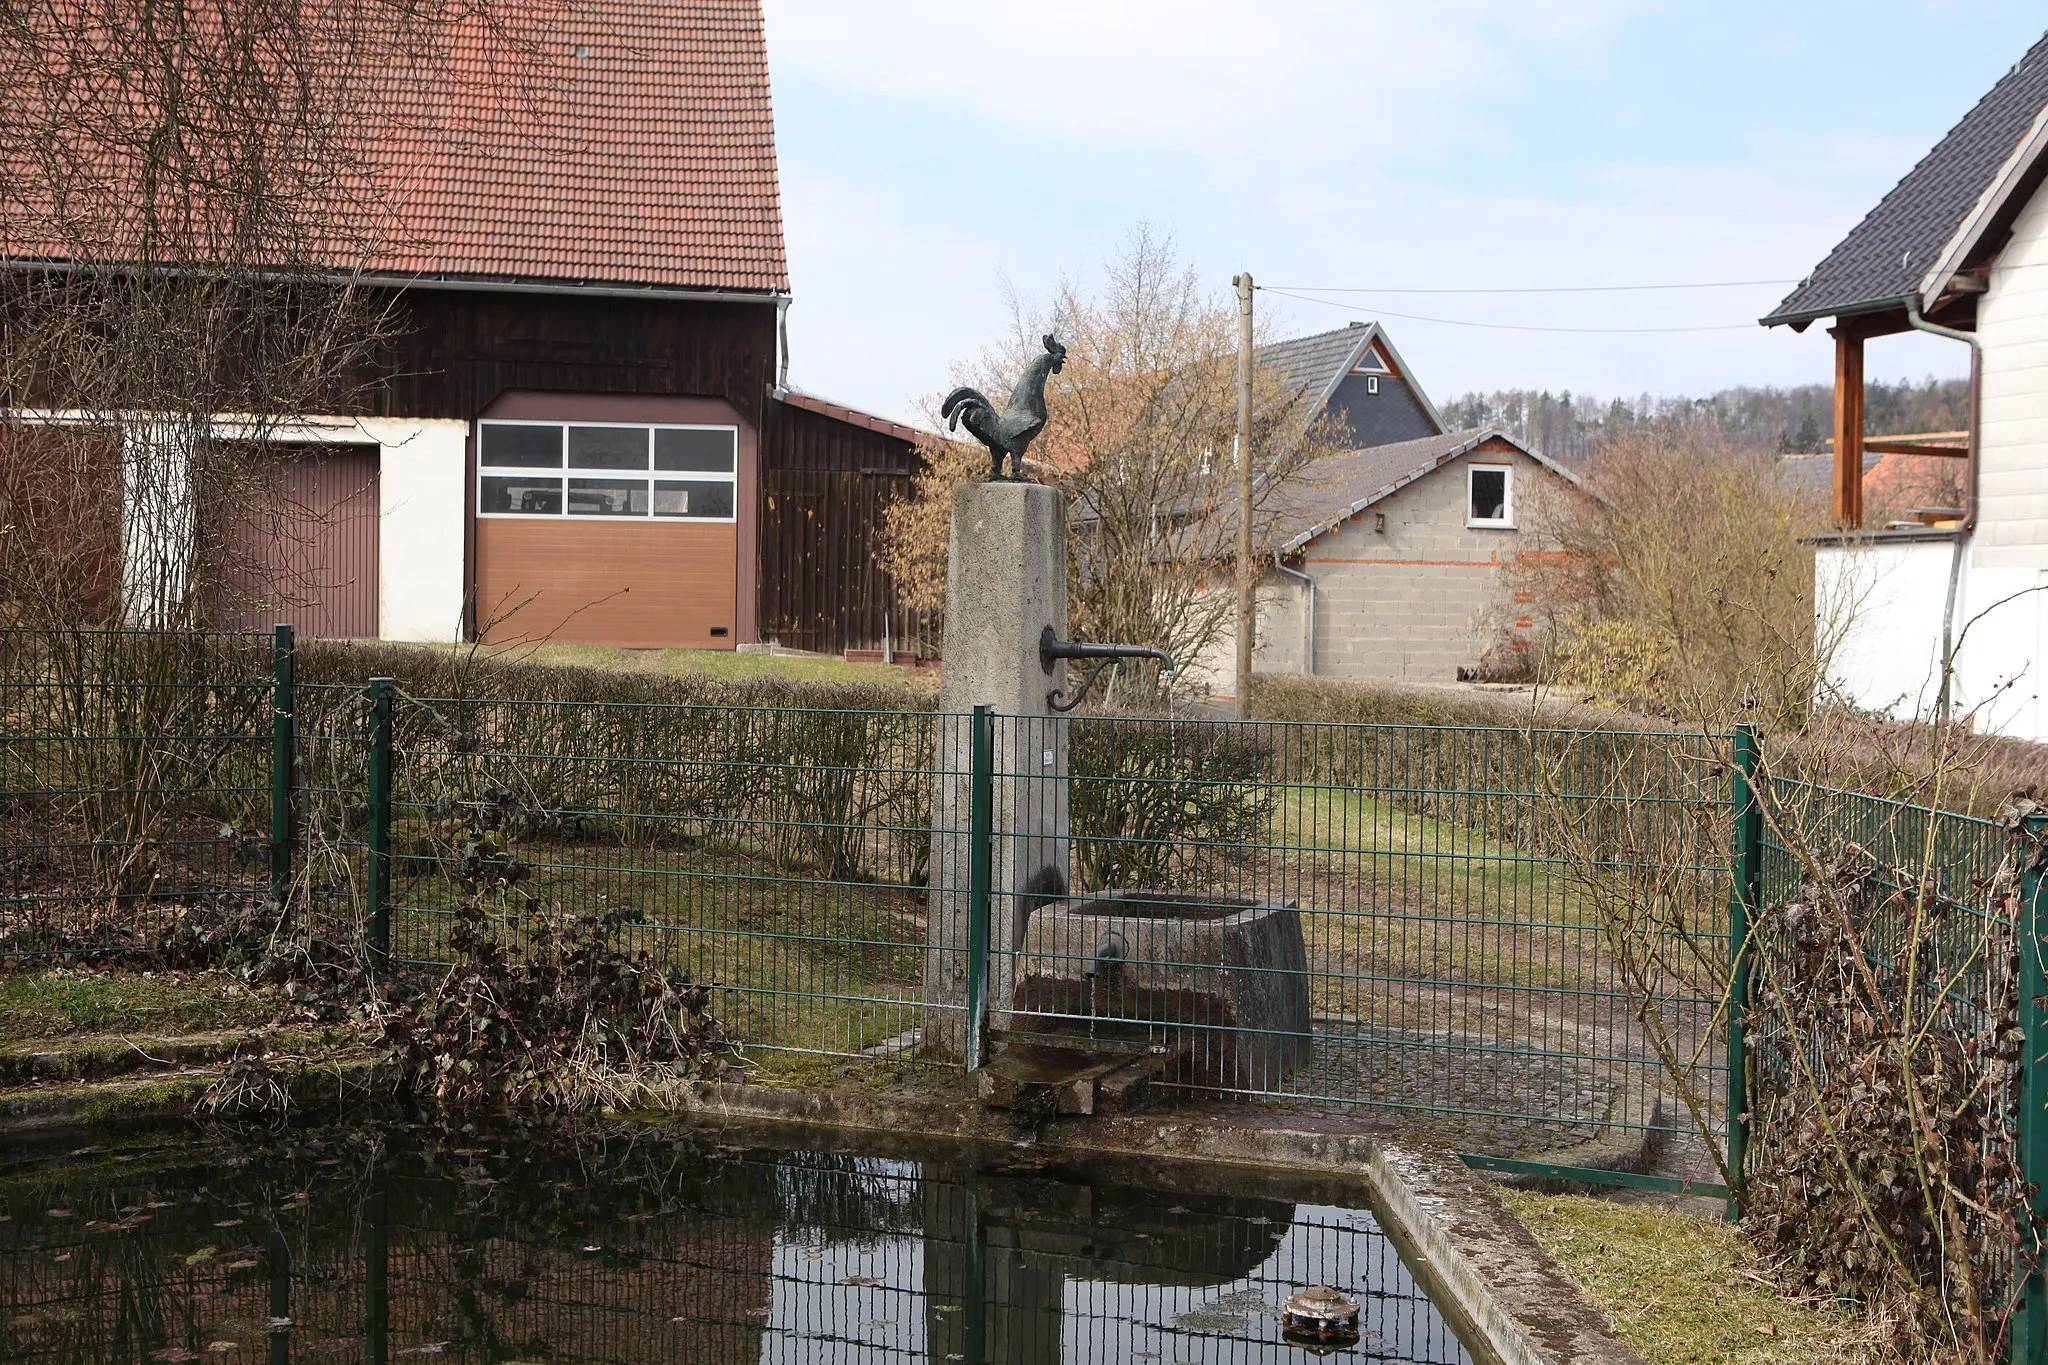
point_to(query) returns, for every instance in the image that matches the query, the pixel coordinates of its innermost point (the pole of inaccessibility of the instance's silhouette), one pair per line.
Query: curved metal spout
(1051, 649)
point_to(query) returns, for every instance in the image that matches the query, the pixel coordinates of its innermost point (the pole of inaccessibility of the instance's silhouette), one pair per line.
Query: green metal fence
(1518, 939)
(1525, 940)
(135, 784)
(1944, 913)
(779, 853)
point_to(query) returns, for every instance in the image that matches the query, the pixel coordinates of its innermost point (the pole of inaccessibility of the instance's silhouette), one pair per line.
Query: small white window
(1490, 496)
(1372, 383)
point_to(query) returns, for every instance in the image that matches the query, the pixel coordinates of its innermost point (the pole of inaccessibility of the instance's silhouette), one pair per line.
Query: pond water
(392, 1243)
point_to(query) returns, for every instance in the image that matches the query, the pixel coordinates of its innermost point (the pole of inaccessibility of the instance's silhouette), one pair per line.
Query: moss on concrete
(167, 1099)
(1682, 1288)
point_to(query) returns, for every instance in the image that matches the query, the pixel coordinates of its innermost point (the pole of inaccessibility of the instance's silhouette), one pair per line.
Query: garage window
(609, 470)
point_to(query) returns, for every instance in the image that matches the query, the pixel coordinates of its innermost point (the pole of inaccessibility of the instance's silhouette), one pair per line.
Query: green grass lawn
(808, 961)
(1390, 895)
(52, 1003)
(718, 663)
(1682, 1288)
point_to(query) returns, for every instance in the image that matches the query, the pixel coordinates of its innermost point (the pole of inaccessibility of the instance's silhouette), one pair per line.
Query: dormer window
(1490, 497)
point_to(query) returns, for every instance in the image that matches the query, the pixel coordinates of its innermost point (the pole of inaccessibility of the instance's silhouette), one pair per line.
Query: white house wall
(424, 482)
(2012, 329)
(1878, 613)
(157, 522)
(2001, 613)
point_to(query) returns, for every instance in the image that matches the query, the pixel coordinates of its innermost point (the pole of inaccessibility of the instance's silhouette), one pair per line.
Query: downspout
(781, 346)
(1955, 568)
(1309, 627)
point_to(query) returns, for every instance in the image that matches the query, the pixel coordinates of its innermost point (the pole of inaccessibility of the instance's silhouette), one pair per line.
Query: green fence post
(980, 859)
(1744, 900)
(283, 756)
(2030, 1324)
(379, 837)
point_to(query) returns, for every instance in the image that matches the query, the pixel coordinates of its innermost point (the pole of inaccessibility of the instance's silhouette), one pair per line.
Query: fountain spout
(1051, 649)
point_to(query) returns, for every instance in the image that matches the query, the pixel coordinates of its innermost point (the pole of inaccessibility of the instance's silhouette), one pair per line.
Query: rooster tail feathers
(959, 402)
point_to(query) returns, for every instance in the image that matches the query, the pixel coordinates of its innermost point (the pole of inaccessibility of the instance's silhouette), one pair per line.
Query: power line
(1510, 326)
(1557, 289)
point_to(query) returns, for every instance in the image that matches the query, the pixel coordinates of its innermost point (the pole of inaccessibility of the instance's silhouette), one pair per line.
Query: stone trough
(1220, 982)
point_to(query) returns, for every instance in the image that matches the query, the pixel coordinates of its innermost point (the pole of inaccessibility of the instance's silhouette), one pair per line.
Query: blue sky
(935, 152)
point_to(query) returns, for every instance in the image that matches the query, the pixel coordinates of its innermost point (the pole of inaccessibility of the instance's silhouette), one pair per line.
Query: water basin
(388, 1242)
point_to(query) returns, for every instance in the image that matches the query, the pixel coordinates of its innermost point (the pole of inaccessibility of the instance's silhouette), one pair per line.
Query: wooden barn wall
(455, 352)
(60, 524)
(824, 485)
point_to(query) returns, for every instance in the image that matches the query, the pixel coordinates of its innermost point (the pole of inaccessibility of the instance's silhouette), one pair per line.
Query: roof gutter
(1945, 702)
(1800, 321)
(1308, 664)
(479, 284)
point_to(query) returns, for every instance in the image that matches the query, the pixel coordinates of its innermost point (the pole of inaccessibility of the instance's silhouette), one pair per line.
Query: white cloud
(1236, 127)
(1214, 76)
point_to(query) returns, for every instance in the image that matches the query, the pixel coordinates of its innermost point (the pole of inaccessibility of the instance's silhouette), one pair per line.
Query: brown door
(298, 545)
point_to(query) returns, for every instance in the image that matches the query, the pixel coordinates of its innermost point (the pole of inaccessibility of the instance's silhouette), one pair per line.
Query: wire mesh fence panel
(781, 854)
(134, 786)
(330, 796)
(1890, 948)
(1516, 938)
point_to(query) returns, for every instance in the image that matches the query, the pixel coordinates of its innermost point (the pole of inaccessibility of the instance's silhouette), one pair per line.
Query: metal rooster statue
(1010, 431)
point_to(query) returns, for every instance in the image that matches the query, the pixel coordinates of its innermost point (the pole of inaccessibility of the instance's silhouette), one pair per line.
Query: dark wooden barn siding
(60, 523)
(457, 351)
(824, 486)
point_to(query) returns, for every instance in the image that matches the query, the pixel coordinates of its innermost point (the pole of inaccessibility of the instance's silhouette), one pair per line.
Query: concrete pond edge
(1505, 1295)
(1508, 1298)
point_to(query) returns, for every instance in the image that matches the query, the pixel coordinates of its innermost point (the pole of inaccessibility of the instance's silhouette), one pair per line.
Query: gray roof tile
(1310, 365)
(1335, 487)
(1885, 256)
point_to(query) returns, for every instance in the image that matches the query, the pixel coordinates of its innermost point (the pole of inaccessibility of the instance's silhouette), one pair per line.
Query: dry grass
(1681, 1288)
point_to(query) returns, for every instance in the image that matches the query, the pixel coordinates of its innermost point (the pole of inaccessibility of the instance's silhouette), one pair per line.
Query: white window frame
(1506, 520)
(1372, 384)
(565, 471)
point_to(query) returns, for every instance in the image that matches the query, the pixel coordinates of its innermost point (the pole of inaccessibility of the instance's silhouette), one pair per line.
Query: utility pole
(1245, 576)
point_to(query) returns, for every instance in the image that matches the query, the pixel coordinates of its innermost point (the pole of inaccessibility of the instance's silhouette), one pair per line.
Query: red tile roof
(597, 142)
(621, 141)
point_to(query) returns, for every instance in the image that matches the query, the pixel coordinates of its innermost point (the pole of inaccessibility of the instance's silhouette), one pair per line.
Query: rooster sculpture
(1010, 431)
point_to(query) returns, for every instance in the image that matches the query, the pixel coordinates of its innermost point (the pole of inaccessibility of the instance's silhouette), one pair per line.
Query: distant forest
(1798, 420)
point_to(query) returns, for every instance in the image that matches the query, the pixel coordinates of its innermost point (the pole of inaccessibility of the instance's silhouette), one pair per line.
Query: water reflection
(387, 1244)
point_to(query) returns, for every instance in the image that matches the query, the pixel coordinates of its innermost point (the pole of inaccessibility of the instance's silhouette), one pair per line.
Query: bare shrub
(1140, 435)
(1683, 588)
(1887, 1061)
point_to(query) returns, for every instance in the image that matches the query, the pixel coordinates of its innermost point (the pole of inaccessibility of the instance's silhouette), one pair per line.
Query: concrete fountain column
(1006, 581)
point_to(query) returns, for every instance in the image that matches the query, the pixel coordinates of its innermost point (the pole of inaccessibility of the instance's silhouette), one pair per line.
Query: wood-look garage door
(644, 585)
(300, 546)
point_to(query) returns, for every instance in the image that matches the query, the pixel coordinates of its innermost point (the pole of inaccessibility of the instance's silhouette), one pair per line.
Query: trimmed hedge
(456, 671)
